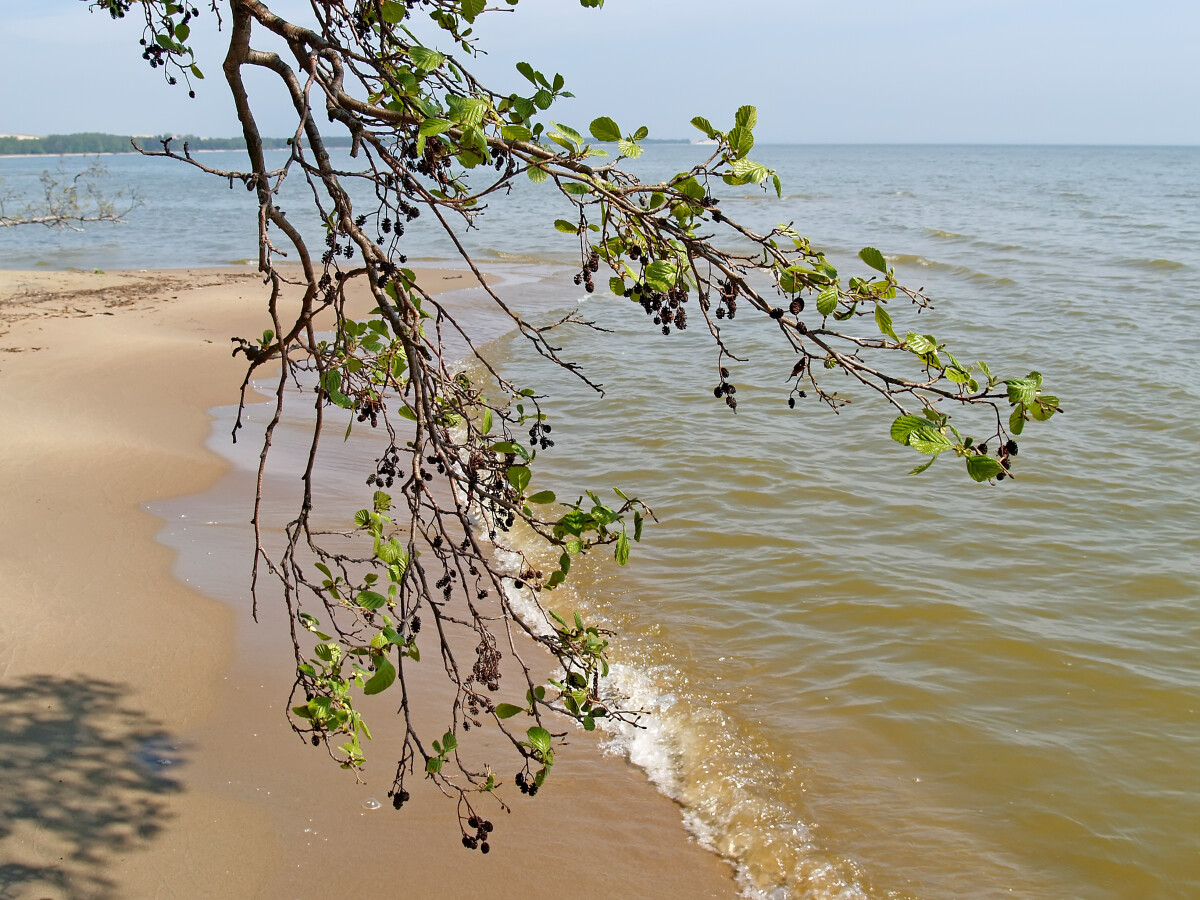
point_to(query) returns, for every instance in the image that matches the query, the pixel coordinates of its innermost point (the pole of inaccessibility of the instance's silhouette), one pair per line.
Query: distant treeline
(94, 142)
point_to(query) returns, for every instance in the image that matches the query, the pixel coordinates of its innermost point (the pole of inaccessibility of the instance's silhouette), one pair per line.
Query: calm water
(867, 684)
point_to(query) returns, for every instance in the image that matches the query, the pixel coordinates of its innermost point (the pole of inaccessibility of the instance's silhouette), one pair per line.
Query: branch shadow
(84, 781)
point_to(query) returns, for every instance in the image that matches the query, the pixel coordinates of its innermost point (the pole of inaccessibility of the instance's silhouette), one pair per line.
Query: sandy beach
(141, 720)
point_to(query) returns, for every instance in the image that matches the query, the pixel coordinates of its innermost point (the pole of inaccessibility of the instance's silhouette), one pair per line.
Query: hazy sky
(880, 71)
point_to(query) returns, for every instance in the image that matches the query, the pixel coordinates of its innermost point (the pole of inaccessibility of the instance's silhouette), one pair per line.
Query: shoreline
(182, 773)
(136, 153)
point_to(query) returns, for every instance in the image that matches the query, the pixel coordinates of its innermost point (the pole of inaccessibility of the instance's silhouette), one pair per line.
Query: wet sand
(141, 720)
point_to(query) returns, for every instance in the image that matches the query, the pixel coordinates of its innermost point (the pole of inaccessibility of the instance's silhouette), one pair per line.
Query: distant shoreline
(95, 143)
(102, 144)
(124, 152)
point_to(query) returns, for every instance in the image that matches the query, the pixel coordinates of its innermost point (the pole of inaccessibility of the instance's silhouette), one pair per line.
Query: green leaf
(537, 174)
(393, 11)
(629, 148)
(470, 112)
(528, 71)
(617, 286)
(778, 187)
(884, 320)
(370, 600)
(827, 300)
(928, 440)
(1024, 390)
(515, 133)
(904, 426)
(564, 142)
(385, 674)
(391, 553)
(320, 707)
(539, 739)
(981, 468)
(692, 188)
(1043, 408)
(424, 59)
(1016, 421)
(570, 133)
(641, 133)
(472, 8)
(605, 130)
(741, 140)
(430, 127)
(660, 275)
(920, 344)
(433, 765)
(543, 497)
(873, 258)
(921, 468)
(518, 477)
(704, 125)
(747, 117)
(196, 73)
(508, 710)
(565, 226)
(622, 549)
(508, 447)
(756, 172)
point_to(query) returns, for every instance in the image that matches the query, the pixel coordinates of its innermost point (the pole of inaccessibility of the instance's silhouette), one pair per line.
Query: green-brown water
(866, 684)
(869, 684)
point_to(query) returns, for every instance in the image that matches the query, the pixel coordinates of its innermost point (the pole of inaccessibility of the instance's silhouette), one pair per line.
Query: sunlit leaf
(605, 130)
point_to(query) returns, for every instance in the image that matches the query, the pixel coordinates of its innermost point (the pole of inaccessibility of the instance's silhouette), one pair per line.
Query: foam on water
(694, 754)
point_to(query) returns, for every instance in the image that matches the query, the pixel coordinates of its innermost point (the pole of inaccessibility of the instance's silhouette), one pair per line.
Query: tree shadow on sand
(83, 782)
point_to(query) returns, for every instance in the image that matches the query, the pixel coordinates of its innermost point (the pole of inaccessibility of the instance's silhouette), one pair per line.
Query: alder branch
(69, 201)
(445, 537)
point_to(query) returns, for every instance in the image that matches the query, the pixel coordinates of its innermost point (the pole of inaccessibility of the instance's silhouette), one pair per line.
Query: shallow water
(866, 684)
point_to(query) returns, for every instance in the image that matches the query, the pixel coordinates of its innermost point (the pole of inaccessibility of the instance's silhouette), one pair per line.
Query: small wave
(908, 259)
(696, 755)
(506, 256)
(1164, 264)
(960, 271)
(947, 235)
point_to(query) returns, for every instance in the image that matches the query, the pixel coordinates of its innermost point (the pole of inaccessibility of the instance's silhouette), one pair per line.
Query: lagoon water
(866, 684)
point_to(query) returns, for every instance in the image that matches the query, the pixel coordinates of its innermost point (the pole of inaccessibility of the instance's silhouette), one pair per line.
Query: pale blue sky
(879, 71)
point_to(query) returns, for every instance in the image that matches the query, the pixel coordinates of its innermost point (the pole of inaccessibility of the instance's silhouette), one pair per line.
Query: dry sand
(142, 742)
